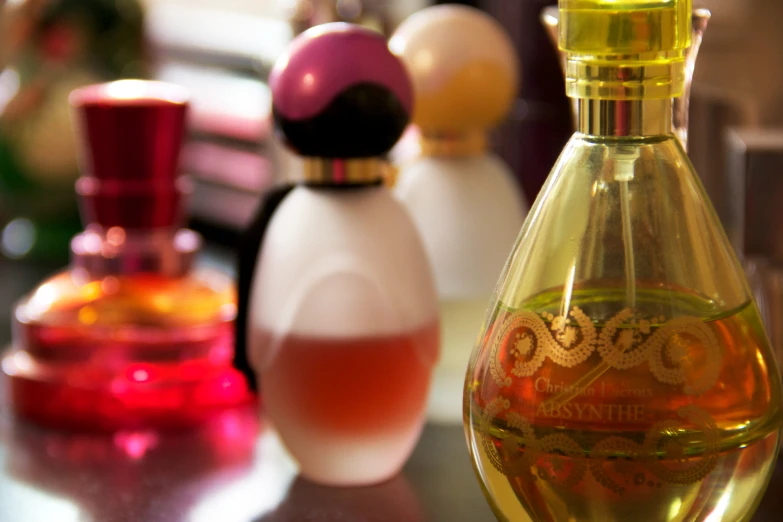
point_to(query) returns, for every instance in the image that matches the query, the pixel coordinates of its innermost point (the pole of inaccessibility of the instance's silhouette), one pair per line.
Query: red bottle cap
(131, 135)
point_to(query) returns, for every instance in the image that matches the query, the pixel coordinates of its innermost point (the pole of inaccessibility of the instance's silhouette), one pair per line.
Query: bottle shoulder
(611, 204)
(204, 296)
(365, 240)
(474, 190)
(662, 147)
(364, 221)
(469, 212)
(487, 170)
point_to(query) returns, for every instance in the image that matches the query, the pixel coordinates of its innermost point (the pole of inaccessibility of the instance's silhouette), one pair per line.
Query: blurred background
(222, 51)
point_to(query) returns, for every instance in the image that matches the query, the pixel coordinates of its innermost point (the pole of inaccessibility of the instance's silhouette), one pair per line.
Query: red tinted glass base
(91, 379)
(142, 396)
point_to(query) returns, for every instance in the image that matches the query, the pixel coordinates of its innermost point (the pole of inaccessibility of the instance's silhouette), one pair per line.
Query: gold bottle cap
(465, 74)
(625, 49)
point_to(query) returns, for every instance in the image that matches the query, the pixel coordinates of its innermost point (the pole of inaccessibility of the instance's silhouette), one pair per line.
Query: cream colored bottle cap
(464, 68)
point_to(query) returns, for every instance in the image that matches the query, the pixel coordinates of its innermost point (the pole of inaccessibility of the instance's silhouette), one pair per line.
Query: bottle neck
(472, 143)
(624, 118)
(348, 171)
(97, 253)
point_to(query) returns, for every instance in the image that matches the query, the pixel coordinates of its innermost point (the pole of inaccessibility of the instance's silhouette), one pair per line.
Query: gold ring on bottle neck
(623, 118)
(348, 171)
(473, 143)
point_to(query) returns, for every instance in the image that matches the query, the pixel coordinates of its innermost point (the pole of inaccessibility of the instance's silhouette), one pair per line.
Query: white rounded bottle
(342, 319)
(463, 199)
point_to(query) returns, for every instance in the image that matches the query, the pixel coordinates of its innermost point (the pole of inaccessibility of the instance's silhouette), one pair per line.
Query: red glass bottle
(131, 335)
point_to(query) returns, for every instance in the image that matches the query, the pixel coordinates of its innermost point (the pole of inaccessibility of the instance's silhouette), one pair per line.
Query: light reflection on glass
(260, 491)
(9, 84)
(674, 508)
(18, 238)
(720, 508)
(17, 497)
(136, 444)
(42, 300)
(133, 475)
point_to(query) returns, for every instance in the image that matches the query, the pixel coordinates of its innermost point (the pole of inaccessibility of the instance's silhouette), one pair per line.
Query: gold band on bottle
(624, 82)
(620, 118)
(472, 143)
(354, 171)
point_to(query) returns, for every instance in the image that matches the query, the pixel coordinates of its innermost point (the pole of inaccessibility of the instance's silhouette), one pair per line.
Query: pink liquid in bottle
(366, 395)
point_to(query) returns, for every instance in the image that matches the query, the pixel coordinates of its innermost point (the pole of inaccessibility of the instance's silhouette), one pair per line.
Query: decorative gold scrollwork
(495, 406)
(615, 451)
(611, 461)
(566, 346)
(521, 448)
(623, 343)
(672, 341)
(658, 449)
(676, 340)
(706, 436)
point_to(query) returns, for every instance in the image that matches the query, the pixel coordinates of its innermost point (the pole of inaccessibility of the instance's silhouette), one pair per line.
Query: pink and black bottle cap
(338, 92)
(131, 135)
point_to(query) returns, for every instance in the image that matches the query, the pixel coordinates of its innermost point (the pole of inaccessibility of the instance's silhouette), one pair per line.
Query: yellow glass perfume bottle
(623, 372)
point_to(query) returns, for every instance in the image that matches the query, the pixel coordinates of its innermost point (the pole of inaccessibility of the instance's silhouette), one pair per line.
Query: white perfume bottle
(464, 200)
(342, 316)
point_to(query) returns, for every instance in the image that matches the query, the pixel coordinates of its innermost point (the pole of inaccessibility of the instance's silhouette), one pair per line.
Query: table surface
(234, 470)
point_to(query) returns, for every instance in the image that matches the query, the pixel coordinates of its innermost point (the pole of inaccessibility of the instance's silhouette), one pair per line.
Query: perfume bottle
(463, 199)
(343, 319)
(623, 372)
(133, 334)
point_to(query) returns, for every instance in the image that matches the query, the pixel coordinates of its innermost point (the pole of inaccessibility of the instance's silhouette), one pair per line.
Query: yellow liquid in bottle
(681, 427)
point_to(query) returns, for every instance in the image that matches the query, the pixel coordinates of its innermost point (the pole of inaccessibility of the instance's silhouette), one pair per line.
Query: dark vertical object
(541, 123)
(248, 250)
(711, 115)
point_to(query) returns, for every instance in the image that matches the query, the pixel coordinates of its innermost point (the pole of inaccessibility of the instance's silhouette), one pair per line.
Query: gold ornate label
(663, 457)
(556, 442)
(665, 350)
